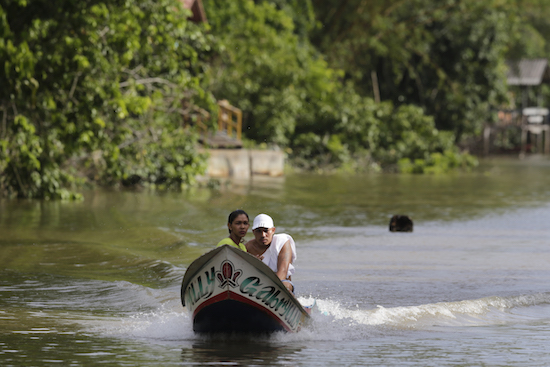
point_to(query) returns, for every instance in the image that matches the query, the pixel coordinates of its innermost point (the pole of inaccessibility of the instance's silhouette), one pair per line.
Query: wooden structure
(229, 127)
(230, 118)
(194, 115)
(527, 71)
(539, 136)
(532, 122)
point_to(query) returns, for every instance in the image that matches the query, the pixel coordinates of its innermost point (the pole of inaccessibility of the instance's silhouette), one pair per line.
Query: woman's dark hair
(234, 216)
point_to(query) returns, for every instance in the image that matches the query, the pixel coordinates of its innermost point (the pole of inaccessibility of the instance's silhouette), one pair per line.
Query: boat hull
(228, 290)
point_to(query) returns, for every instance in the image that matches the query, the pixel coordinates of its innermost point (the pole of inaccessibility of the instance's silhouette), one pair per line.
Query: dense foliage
(97, 91)
(292, 97)
(445, 56)
(94, 89)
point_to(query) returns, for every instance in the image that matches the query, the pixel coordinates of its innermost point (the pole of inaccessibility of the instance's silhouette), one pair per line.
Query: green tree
(531, 29)
(98, 90)
(261, 66)
(444, 56)
(292, 97)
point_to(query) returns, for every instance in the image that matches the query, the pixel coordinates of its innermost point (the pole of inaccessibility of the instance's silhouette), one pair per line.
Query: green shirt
(229, 241)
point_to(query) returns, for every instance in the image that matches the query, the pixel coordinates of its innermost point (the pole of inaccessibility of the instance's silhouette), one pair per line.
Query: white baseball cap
(262, 221)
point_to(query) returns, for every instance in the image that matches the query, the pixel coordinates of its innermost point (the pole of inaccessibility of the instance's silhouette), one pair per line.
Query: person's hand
(289, 286)
(260, 257)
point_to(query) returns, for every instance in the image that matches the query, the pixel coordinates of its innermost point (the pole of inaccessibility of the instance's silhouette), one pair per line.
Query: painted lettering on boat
(269, 295)
(203, 287)
(199, 288)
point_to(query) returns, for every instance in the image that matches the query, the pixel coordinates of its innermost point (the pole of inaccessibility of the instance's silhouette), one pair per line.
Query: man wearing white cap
(278, 251)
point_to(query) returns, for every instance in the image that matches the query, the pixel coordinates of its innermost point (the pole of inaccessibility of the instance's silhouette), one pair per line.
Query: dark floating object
(401, 223)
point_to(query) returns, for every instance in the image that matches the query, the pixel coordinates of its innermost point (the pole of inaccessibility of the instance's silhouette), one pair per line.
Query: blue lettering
(210, 281)
(250, 290)
(291, 314)
(191, 294)
(265, 293)
(284, 306)
(273, 300)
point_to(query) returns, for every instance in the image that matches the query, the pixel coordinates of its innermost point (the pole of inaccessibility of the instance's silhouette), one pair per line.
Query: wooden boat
(228, 290)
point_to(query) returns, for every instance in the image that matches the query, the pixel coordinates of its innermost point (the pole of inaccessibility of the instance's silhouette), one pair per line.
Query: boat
(230, 291)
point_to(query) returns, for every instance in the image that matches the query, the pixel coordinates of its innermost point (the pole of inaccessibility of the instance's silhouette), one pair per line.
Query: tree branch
(19, 180)
(104, 31)
(149, 81)
(4, 119)
(73, 87)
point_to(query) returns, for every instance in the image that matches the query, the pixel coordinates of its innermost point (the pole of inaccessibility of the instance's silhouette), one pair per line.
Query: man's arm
(283, 260)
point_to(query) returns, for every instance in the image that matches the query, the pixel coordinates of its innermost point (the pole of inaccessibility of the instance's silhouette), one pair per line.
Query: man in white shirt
(278, 251)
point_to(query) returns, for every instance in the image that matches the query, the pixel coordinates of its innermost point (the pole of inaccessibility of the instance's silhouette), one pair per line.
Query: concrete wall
(243, 163)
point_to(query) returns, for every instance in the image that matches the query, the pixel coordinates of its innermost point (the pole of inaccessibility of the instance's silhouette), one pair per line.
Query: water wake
(330, 321)
(484, 311)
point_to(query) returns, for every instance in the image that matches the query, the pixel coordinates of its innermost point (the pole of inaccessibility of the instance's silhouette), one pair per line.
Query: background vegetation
(97, 91)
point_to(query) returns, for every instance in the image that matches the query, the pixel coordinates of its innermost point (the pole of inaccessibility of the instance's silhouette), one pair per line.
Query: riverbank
(244, 163)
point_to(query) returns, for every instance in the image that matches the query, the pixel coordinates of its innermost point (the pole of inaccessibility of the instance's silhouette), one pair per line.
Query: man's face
(264, 235)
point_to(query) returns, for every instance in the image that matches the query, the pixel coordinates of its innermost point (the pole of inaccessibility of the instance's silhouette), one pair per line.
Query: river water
(97, 282)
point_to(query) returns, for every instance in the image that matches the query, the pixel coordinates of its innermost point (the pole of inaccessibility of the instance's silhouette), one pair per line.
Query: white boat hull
(229, 290)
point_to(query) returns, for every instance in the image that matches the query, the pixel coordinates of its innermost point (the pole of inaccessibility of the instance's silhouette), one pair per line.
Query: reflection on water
(235, 350)
(97, 281)
(296, 200)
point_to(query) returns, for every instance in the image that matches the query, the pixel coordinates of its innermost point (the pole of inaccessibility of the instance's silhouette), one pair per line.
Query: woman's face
(239, 226)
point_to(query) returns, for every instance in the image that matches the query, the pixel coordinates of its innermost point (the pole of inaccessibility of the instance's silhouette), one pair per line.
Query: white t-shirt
(271, 255)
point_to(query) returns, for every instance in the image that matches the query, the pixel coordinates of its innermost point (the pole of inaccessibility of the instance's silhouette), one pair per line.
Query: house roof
(528, 72)
(198, 10)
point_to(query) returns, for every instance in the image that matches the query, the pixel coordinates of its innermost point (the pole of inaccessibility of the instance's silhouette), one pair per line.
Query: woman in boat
(238, 224)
